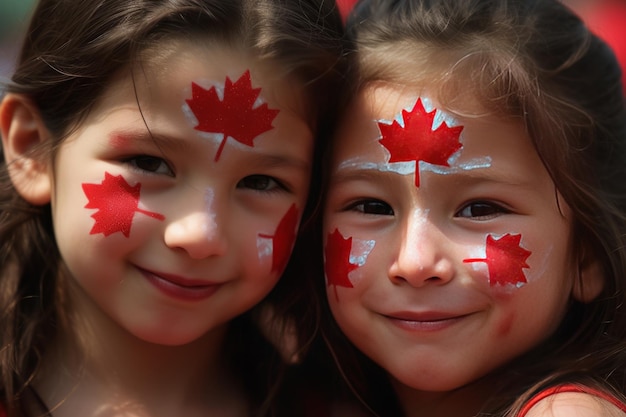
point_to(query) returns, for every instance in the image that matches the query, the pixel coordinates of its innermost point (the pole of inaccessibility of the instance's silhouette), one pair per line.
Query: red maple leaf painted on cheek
(505, 259)
(235, 116)
(116, 202)
(416, 141)
(283, 239)
(337, 264)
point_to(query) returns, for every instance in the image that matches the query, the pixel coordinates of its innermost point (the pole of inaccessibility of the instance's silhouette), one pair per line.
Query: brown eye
(481, 210)
(259, 183)
(375, 207)
(150, 164)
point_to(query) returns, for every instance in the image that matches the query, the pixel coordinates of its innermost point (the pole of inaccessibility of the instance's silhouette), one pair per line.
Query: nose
(199, 230)
(422, 255)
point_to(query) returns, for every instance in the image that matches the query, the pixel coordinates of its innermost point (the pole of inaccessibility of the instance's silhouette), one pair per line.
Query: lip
(182, 288)
(423, 321)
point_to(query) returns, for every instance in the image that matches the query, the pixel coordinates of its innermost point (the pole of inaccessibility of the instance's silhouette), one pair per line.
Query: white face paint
(265, 246)
(409, 168)
(210, 227)
(358, 255)
(219, 87)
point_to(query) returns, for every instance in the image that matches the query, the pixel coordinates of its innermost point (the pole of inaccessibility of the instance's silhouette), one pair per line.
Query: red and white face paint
(420, 138)
(470, 268)
(415, 138)
(279, 244)
(506, 260)
(342, 256)
(232, 110)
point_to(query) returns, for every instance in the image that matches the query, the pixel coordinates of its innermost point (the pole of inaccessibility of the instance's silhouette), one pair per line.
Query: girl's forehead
(386, 99)
(389, 98)
(416, 121)
(182, 63)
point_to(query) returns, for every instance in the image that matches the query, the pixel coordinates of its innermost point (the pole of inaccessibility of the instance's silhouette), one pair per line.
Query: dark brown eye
(375, 207)
(259, 183)
(481, 210)
(151, 164)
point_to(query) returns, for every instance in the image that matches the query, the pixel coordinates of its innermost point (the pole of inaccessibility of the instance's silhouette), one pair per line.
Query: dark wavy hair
(71, 51)
(535, 61)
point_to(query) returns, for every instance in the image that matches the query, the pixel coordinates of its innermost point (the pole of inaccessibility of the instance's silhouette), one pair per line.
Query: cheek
(359, 256)
(116, 203)
(505, 259)
(504, 327)
(343, 258)
(337, 263)
(278, 244)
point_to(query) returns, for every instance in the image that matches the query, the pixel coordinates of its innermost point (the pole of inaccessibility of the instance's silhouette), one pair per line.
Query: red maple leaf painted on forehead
(505, 259)
(235, 116)
(283, 239)
(338, 265)
(116, 202)
(417, 141)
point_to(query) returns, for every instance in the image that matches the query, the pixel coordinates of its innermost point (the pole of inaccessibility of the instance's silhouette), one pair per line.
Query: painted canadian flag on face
(505, 259)
(337, 263)
(116, 202)
(283, 239)
(417, 141)
(237, 115)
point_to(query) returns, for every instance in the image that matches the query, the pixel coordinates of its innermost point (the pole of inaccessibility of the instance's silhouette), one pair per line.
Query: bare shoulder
(574, 404)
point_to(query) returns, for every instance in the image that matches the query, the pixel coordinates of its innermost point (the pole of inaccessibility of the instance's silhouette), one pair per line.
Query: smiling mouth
(423, 323)
(180, 288)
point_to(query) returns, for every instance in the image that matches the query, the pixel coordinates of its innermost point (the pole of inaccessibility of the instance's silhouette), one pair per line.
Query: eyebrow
(121, 139)
(491, 175)
(346, 175)
(278, 160)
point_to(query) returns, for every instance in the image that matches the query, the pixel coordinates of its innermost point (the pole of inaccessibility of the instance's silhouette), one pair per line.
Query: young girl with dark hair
(158, 157)
(475, 222)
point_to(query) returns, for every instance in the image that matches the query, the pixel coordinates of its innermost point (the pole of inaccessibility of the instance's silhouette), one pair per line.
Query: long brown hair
(71, 51)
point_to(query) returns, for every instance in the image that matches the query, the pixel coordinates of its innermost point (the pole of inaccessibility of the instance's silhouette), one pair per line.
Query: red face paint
(116, 202)
(338, 265)
(416, 141)
(118, 141)
(235, 116)
(283, 239)
(505, 260)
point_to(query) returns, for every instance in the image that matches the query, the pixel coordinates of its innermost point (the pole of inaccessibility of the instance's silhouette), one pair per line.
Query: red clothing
(571, 388)
(345, 7)
(606, 18)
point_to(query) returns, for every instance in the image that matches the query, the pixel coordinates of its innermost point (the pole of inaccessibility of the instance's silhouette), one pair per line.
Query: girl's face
(176, 203)
(446, 243)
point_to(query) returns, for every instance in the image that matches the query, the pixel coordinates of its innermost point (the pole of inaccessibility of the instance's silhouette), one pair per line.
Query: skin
(154, 305)
(434, 322)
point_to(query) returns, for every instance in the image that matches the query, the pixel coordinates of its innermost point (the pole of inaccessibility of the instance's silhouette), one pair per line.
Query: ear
(590, 280)
(22, 130)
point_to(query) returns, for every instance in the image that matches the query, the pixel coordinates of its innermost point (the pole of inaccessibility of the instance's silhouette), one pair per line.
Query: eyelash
(376, 207)
(493, 210)
(276, 188)
(380, 208)
(135, 163)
